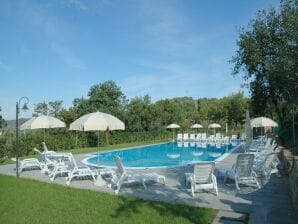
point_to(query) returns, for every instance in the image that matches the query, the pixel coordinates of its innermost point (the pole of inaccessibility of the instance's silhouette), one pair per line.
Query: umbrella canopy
(263, 122)
(248, 131)
(44, 122)
(97, 121)
(173, 126)
(214, 125)
(196, 126)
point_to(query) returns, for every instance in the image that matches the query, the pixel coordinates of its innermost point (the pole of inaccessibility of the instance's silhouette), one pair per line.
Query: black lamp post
(24, 107)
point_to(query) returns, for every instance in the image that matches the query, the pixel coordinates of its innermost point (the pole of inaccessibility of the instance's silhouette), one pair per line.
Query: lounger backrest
(234, 137)
(269, 160)
(199, 135)
(73, 161)
(179, 136)
(204, 135)
(37, 150)
(45, 146)
(185, 136)
(203, 172)
(244, 165)
(192, 136)
(268, 143)
(120, 165)
(218, 135)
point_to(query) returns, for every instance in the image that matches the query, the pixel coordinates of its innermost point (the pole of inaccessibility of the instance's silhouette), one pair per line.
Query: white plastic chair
(199, 137)
(185, 137)
(192, 137)
(202, 178)
(204, 137)
(179, 137)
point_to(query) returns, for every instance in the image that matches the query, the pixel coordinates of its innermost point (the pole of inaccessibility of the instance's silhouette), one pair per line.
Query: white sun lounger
(31, 163)
(242, 172)
(79, 171)
(122, 177)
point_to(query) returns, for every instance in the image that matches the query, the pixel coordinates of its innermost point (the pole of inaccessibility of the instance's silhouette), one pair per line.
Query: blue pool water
(160, 155)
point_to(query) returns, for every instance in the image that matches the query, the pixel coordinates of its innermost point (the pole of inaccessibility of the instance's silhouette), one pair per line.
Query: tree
(107, 97)
(268, 53)
(40, 109)
(2, 121)
(138, 114)
(55, 107)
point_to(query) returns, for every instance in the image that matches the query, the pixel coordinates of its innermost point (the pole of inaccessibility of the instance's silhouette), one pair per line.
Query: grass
(30, 201)
(93, 149)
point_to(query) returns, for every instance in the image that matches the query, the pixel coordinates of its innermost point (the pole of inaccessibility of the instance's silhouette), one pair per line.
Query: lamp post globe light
(24, 107)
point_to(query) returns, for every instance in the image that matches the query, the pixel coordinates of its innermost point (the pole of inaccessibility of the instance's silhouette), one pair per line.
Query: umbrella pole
(173, 134)
(99, 181)
(44, 135)
(98, 140)
(107, 137)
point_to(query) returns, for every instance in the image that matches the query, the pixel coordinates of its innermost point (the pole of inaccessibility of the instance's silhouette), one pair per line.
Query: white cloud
(67, 56)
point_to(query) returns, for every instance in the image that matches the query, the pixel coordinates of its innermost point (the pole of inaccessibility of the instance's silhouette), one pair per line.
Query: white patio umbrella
(97, 121)
(248, 131)
(173, 126)
(214, 126)
(194, 126)
(263, 122)
(42, 122)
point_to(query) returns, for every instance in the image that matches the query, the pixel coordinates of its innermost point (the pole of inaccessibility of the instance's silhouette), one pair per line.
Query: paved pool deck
(269, 205)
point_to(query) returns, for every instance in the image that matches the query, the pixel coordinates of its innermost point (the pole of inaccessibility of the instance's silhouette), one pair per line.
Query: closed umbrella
(173, 126)
(42, 122)
(248, 131)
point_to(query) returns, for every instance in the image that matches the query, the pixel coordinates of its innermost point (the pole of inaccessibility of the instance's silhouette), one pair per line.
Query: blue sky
(56, 50)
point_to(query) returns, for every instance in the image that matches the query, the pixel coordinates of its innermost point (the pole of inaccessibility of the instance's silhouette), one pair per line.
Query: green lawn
(29, 201)
(92, 149)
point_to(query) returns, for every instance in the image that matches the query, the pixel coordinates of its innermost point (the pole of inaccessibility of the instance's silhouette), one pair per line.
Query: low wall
(290, 167)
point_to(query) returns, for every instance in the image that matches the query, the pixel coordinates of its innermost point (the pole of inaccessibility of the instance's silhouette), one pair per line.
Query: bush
(63, 139)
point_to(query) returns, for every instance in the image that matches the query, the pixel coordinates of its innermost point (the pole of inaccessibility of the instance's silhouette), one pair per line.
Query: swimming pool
(160, 155)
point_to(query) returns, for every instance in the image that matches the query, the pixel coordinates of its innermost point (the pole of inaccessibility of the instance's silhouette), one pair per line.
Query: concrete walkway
(270, 204)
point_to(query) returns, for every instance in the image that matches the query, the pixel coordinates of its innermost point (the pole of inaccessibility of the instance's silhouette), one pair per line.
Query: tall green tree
(268, 52)
(55, 107)
(40, 109)
(107, 97)
(138, 114)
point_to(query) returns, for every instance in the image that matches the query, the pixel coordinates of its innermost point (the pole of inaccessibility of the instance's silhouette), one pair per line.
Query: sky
(56, 50)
